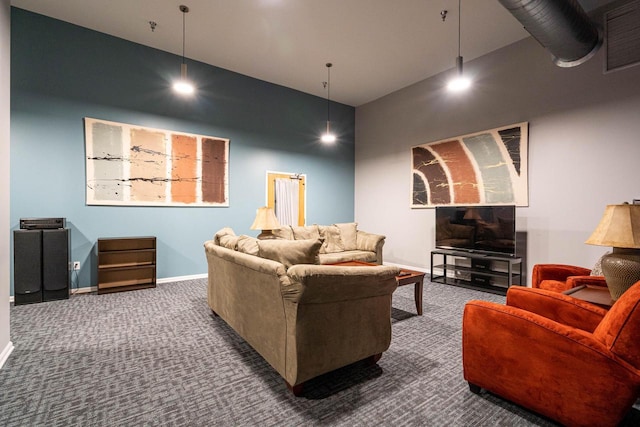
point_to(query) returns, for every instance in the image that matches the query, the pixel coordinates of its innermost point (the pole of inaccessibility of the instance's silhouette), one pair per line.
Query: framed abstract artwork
(482, 168)
(139, 166)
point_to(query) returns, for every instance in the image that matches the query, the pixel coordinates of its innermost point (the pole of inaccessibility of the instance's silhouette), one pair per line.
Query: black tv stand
(482, 272)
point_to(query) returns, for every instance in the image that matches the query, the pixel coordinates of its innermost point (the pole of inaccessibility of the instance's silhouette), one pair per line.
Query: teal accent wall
(61, 73)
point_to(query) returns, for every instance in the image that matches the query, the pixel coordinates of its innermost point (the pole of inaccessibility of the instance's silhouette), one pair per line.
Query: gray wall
(5, 43)
(584, 149)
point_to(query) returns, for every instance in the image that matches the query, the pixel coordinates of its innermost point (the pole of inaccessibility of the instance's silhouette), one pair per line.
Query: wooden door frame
(270, 191)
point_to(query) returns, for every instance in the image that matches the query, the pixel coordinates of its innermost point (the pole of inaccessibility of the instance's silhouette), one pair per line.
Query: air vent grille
(622, 29)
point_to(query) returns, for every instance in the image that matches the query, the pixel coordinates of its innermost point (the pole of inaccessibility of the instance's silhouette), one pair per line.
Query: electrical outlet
(76, 265)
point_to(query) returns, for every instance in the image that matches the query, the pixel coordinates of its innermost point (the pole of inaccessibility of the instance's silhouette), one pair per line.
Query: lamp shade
(265, 219)
(618, 228)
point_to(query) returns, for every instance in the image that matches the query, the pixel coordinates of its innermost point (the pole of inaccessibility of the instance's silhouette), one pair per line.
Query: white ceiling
(376, 46)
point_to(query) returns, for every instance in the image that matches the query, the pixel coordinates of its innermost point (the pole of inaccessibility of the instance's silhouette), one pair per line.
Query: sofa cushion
(248, 245)
(229, 242)
(226, 231)
(332, 239)
(348, 256)
(348, 234)
(306, 232)
(290, 252)
(283, 232)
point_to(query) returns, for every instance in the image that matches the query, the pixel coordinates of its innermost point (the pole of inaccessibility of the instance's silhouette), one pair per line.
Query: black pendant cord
(183, 35)
(328, 92)
(459, 15)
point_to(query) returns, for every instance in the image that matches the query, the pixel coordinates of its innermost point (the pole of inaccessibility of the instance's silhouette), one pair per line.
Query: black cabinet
(40, 265)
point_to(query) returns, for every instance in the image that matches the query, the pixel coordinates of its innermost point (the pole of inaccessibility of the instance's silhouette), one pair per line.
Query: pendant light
(328, 137)
(459, 82)
(183, 86)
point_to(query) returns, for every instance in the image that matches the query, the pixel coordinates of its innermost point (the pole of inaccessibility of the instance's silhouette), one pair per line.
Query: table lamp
(620, 229)
(266, 221)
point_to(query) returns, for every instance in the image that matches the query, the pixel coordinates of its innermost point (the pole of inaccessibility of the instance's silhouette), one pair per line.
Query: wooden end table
(409, 277)
(405, 277)
(598, 295)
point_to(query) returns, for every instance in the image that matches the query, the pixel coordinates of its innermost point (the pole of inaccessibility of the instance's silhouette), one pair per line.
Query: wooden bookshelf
(126, 263)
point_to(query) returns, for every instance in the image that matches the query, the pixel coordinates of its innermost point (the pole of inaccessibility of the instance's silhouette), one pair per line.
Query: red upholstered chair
(561, 277)
(559, 356)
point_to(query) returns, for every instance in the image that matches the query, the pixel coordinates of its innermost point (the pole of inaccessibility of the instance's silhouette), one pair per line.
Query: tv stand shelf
(483, 269)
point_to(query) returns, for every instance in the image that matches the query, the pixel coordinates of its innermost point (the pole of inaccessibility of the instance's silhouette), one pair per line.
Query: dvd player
(42, 223)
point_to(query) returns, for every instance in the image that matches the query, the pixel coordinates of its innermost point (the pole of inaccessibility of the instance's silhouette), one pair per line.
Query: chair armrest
(557, 307)
(555, 272)
(575, 281)
(370, 242)
(316, 284)
(543, 365)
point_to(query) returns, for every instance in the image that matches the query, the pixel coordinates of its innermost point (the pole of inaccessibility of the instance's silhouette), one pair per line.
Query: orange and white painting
(140, 166)
(482, 168)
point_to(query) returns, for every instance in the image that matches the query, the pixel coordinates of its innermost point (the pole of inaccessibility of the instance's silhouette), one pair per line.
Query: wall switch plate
(76, 265)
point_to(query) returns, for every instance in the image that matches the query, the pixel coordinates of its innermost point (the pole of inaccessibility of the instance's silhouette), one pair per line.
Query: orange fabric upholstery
(621, 328)
(539, 352)
(557, 307)
(562, 277)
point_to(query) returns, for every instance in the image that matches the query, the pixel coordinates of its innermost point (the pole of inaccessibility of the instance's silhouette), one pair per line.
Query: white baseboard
(5, 353)
(85, 290)
(89, 289)
(408, 267)
(182, 278)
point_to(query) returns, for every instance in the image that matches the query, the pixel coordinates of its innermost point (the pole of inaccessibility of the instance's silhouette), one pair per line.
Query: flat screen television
(484, 229)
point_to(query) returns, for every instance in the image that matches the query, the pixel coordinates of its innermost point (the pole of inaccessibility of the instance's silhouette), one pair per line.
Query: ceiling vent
(562, 27)
(622, 29)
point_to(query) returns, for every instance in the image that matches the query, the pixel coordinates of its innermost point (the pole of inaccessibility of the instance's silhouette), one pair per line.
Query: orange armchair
(564, 358)
(561, 277)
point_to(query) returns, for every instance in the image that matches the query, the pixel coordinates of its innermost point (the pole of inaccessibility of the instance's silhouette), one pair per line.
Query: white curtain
(287, 195)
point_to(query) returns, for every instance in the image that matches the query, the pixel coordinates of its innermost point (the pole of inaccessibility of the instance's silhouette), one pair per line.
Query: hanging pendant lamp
(459, 82)
(328, 137)
(183, 86)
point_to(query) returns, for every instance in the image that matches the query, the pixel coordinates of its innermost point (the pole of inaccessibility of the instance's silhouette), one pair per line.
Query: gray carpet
(158, 357)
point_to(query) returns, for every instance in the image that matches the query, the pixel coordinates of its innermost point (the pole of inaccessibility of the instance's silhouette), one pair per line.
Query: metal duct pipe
(560, 26)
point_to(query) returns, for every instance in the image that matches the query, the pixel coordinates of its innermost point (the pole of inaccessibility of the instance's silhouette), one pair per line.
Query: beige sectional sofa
(303, 318)
(342, 242)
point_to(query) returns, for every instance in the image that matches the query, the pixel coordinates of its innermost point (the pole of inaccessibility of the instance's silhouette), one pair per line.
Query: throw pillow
(290, 252)
(306, 232)
(283, 233)
(348, 233)
(248, 245)
(229, 242)
(597, 268)
(226, 231)
(332, 239)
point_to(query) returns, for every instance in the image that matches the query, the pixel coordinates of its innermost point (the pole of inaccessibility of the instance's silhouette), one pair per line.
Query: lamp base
(621, 269)
(266, 235)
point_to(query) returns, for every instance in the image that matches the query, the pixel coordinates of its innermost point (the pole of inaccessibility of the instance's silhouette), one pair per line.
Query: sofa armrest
(543, 365)
(557, 307)
(314, 284)
(575, 281)
(370, 242)
(558, 272)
